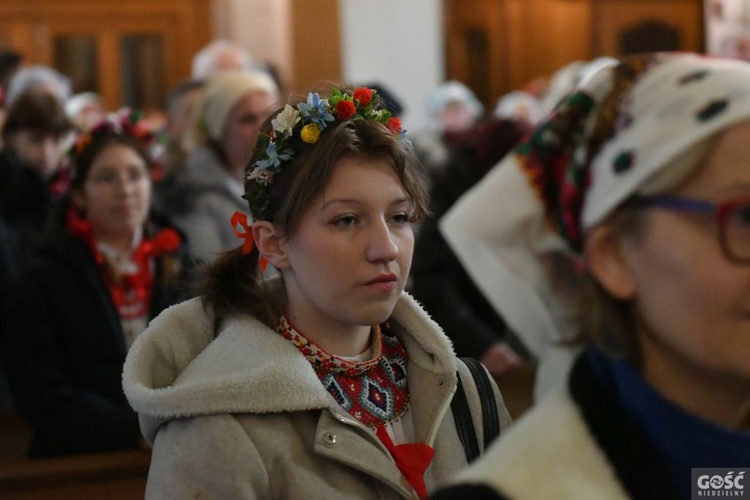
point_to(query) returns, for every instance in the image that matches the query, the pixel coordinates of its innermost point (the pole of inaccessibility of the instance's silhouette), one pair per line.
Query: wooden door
(497, 46)
(129, 52)
(634, 26)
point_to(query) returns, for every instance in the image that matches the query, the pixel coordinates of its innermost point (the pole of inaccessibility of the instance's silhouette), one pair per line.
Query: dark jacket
(25, 204)
(440, 282)
(64, 349)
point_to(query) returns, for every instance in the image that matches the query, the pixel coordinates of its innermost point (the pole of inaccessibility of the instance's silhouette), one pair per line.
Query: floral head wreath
(123, 122)
(307, 120)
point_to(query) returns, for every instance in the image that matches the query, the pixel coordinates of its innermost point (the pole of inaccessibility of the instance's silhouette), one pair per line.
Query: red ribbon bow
(412, 459)
(243, 232)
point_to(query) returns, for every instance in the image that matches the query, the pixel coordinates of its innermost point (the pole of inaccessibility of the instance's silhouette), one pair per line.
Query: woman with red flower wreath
(104, 272)
(325, 379)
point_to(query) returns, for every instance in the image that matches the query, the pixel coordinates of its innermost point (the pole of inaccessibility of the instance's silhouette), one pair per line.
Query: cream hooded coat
(244, 415)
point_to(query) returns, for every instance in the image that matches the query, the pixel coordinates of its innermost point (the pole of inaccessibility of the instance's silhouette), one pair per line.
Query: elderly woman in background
(454, 111)
(201, 198)
(38, 78)
(624, 221)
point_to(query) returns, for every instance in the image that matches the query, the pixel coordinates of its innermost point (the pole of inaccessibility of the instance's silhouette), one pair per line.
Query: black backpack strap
(462, 414)
(464, 424)
(490, 414)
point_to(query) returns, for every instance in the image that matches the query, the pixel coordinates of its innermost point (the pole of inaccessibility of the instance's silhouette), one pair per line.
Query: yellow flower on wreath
(310, 133)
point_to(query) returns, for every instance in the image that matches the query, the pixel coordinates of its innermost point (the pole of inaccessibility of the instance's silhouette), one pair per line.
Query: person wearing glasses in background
(624, 221)
(106, 265)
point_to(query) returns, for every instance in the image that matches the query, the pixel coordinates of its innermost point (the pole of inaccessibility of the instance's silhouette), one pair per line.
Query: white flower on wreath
(286, 120)
(263, 176)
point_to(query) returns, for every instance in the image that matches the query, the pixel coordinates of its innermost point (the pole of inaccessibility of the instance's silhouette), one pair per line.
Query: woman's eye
(401, 218)
(36, 137)
(104, 177)
(347, 220)
(136, 174)
(250, 119)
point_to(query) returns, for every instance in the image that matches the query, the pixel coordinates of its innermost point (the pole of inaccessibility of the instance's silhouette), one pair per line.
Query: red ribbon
(131, 293)
(244, 233)
(412, 459)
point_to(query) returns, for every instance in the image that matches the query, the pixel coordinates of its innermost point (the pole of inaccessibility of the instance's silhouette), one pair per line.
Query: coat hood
(178, 368)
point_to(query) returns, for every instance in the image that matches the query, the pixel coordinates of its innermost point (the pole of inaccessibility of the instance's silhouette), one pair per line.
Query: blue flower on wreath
(315, 110)
(406, 140)
(274, 157)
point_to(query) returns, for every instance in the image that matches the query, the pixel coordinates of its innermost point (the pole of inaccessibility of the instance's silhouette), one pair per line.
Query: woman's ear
(269, 243)
(608, 264)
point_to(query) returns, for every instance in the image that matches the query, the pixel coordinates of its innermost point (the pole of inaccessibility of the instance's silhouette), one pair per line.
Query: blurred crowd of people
(106, 216)
(80, 253)
(185, 174)
(534, 251)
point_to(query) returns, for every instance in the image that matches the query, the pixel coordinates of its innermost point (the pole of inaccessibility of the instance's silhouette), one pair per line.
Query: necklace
(373, 392)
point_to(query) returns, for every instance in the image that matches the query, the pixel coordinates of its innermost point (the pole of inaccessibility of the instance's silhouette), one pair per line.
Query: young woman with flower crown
(326, 381)
(102, 274)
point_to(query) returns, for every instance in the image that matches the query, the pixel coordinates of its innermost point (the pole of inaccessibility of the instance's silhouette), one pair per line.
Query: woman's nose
(124, 184)
(382, 245)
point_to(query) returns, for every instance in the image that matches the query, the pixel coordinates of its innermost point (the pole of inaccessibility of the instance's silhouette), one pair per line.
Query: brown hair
(36, 111)
(233, 284)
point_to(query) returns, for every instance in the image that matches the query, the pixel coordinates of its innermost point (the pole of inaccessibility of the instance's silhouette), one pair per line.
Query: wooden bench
(15, 436)
(517, 388)
(108, 476)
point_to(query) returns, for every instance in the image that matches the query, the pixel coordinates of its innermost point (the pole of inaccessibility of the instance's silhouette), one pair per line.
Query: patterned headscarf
(604, 142)
(622, 127)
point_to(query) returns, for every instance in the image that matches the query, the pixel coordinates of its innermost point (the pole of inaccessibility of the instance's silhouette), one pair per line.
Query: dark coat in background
(439, 281)
(26, 202)
(64, 349)
(25, 205)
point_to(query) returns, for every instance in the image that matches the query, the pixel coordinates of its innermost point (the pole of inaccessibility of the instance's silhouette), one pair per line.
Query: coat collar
(176, 368)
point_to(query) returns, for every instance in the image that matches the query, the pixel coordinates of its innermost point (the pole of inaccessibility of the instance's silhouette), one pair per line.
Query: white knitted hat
(223, 91)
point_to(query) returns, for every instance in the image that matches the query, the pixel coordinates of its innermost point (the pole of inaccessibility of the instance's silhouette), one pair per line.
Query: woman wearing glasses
(624, 223)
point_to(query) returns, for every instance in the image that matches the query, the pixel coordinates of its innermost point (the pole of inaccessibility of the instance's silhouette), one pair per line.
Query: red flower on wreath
(363, 95)
(394, 125)
(345, 109)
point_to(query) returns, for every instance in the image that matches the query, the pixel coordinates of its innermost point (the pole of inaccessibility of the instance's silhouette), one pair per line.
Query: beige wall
(263, 27)
(299, 37)
(398, 43)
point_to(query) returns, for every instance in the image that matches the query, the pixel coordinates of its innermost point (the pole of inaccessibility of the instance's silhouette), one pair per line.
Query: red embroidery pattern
(373, 392)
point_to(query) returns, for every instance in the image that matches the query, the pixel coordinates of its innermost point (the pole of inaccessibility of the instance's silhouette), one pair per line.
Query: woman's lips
(384, 282)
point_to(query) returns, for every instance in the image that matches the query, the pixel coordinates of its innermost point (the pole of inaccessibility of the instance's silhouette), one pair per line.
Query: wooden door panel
(182, 26)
